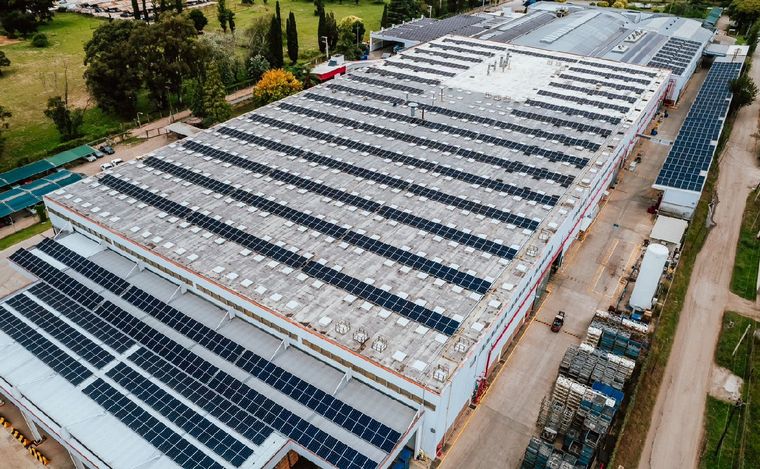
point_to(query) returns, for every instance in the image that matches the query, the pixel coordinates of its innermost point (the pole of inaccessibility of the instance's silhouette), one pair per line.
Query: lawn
(21, 235)
(368, 10)
(744, 277)
(38, 74)
(741, 445)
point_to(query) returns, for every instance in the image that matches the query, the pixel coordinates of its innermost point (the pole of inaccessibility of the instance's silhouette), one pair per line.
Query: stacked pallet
(610, 338)
(587, 365)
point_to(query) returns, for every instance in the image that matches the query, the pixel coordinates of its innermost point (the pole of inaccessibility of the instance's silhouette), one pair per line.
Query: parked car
(106, 166)
(107, 149)
(90, 158)
(116, 162)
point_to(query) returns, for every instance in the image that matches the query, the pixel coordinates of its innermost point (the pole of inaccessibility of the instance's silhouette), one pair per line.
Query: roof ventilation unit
(343, 326)
(532, 250)
(461, 346)
(441, 373)
(380, 344)
(361, 335)
(544, 235)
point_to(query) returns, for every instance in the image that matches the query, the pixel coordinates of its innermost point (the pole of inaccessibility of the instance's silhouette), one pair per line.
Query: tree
(215, 106)
(384, 18)
(24, 16)
(112, 74)
(331, 30)
(350, 35)
(4, 116)
(321, 29)
(178, 6)
(291, 33)
(67, 120)
(402, 10)
(744, 90)
(744, 12)
(231, 20)
(136, 9)
(277, 12)
(221, 14)
(220, 49)
(168, 53)
(4, 62)
(275, 44)
(274, 85)
(257, 65)
(258, 37)
(198, 18)
(319, 7)
(145, 11)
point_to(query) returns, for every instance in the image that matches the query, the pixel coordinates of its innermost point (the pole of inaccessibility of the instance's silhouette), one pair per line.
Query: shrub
(40, 40)
(602, 4)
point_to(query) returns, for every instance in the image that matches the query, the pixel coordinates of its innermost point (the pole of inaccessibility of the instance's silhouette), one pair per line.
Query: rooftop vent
(441, 373)
(361, 335)
(461, 346)
(380, 344)
(343, 326)
(532, 250)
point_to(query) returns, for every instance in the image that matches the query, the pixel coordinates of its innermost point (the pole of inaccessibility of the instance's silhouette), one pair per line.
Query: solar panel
(82, 317)
(150, 428)
(445, 55)
(328, 275)
(571, 111)
(435, 269)
(617, 68)
(593, 92)
(461, 49)
(74, 340)
(692, 151)
(61, 362)
(330, 407)
(417, 68)
(56, 278)
(84, 266)
(493, 183)
(467, 117)
(203, 430)
(584, 101)
(395, 86)
(605, 83)
(391, 181)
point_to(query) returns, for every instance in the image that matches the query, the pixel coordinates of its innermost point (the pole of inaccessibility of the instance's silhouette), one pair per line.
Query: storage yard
(346, 273)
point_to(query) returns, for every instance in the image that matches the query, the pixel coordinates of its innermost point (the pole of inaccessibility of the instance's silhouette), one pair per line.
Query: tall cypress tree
(275, 58)
(178, 6)
(321, 30)
(136, 9)
(291, 33)
(277, 12)
(384, 18)
(145, 11)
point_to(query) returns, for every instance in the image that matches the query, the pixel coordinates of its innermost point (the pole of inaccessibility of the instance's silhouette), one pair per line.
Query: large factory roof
(663, 41)
(124, 364)
(392, 211)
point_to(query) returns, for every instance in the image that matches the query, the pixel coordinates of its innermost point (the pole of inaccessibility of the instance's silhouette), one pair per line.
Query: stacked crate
(587, 365)
(613, 339)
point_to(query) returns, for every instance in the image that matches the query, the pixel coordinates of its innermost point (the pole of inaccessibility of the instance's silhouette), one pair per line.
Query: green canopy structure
(29, 195)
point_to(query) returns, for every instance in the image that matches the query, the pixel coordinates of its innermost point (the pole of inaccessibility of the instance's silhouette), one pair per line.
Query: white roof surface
(669, 229)
(363, 120)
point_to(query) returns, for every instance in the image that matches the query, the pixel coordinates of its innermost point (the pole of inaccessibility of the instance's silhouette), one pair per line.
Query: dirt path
(675, 434)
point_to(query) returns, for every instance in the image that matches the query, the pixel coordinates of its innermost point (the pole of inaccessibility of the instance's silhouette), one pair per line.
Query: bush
(40, 40)
(602, 4)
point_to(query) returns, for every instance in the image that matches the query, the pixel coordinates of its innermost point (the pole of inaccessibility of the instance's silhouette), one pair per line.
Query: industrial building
(333, 274)
(633, 37)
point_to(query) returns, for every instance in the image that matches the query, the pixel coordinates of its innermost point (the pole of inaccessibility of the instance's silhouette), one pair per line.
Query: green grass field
(23, 234)
(368, 10)
(741, 445)
(38, 74)
(744, 277)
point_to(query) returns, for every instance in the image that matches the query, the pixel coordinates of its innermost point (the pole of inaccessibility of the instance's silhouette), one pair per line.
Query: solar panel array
(224, 397)
(605, 83)
(691, 154)
(584, 101)
(313, 269)
(675, 55)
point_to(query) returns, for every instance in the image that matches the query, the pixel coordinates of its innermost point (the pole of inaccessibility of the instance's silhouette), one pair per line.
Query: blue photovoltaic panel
(693, 149)
(326, 274)
(61, 362)
(84, 266)
(77, 342)
(150, 428)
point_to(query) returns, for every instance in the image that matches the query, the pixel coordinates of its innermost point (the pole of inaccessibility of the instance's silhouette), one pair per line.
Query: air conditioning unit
(380, 344)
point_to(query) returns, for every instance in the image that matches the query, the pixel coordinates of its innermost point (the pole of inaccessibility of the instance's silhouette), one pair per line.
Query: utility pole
(430, 11)
(327, 47)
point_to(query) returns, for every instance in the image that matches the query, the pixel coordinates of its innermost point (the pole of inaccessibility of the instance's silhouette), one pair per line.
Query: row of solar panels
(692, 151)
(120, 330)
(464, 116)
